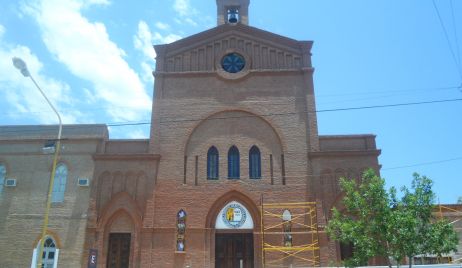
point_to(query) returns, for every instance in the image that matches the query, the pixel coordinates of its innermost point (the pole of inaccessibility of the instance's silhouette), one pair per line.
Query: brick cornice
(374, 153)
(262, 71)
(126, 157)
(226, 29)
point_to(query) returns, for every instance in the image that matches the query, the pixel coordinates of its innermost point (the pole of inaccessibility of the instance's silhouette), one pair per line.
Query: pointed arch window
(254, 163)
(212, 163)
(49, 255)
(287, 228)
(59, 185)
(2, 176)
(233, 163)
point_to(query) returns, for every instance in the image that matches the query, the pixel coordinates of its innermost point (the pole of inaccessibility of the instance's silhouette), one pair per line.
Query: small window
(254, 163)
(59, 185)
(180, 231)
(212, 163)
(233, 163)
(346, 250)
(287, 228)
(49, 255)
(2, 176)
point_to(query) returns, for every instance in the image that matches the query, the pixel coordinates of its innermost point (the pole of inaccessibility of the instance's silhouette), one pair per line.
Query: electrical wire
(387, 91)
(447, 39)
(122, 124)
(424, 163)
(456, 38)
(293, 113)
(320, 98)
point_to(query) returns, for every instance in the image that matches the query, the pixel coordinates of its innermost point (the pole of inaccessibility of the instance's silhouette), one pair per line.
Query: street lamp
(21, 65)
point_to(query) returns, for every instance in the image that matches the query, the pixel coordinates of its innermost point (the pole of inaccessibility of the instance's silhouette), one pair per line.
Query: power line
(447, 39)
(290, 113)
(455, 33)
(425, 163)
(388, 105)
(386, 91)
(120, 124)
(319, 98)
(293, 113)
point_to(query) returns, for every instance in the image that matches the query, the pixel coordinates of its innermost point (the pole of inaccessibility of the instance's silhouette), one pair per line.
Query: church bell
(232, 16)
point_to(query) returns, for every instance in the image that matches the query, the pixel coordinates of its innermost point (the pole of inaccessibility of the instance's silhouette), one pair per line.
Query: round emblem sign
(234, 215)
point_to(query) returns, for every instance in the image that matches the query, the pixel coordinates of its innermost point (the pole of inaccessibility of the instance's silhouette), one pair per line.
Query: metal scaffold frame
(456, 214)
(303, 223)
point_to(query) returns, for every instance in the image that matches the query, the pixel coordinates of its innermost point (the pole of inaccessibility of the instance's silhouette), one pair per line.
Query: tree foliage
(411, 219)
(363, 222)
(378, 224)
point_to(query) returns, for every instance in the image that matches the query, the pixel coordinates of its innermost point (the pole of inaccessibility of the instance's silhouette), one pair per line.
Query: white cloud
(2, 30)
(182, 7)
(190, 21)
(143, 41)
(185, 12)
(85, 48)
(22, 95)
(89, 96)
(96, 2)
(165, 39)
(162, 26)
(137, 134)
(147, 71)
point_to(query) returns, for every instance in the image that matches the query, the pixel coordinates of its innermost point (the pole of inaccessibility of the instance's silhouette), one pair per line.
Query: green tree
(411, 220)
(377, 223)
(442, 238)
(364, 220)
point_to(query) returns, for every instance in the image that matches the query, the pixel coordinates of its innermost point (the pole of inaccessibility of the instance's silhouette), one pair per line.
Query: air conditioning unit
(49, 147)
(84, 182)
(10, 182)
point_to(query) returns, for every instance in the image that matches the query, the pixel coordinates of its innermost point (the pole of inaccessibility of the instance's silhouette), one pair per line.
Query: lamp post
(21, 65)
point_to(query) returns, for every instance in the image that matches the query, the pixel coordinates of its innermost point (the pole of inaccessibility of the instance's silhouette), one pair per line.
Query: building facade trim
(126, 157)
(374, 153)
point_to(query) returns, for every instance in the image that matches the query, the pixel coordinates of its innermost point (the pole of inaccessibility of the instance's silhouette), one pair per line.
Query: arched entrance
(234, 245)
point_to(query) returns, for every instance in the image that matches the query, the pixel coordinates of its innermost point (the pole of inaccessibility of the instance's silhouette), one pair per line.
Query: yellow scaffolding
(304, 250)
(456, 214)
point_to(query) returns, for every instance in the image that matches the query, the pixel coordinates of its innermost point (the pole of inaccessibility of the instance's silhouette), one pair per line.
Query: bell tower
(233, 11)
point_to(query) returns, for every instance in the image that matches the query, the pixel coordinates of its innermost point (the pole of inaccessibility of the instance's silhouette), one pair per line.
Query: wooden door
(118, 251)
(234, 250)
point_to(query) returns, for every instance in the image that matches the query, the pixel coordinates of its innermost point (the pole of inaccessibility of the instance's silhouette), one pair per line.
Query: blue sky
(94, 60)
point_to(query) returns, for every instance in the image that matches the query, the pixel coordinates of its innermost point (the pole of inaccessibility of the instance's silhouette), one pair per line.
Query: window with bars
(233, 163)
(49, 254)
(212, 163)
(2, 176)
(59, 185)
(254, 163)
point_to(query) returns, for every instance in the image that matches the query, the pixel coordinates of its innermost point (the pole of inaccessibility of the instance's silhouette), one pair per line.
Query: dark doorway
(234, 250)
(118, 255)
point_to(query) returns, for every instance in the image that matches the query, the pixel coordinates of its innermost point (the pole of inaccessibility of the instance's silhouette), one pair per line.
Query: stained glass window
(254, 163)
(233, 63)
(49, 253)
(233, 163)
(2, 176)
(59, 185)
(287, 228)
(181, 229)
(212, 163)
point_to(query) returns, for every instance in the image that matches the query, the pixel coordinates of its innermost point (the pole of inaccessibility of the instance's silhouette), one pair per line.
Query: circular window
(233, 63)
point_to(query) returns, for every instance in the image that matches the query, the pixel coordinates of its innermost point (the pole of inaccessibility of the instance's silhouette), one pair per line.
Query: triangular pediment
(201, 52)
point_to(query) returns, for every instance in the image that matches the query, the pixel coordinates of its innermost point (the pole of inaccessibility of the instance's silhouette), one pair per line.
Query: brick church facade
(234, 127)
